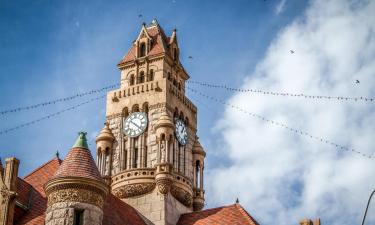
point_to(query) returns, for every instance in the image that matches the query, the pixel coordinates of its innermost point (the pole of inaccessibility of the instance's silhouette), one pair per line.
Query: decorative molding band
(182, 196)
(132, 190)
(76, 183)
(76, 195)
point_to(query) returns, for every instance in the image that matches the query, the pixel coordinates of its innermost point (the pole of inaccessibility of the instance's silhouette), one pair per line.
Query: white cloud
(282, 177)
(280, 7)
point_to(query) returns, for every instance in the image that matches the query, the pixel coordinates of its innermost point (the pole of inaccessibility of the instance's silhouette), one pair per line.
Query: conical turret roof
(79, 162)
(197, 148)
(105, 134)
(164, 121)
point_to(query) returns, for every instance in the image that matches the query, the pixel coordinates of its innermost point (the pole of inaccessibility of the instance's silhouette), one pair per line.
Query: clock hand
(135, 125)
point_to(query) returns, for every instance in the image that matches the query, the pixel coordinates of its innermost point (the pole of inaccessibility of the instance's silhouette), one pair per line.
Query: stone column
(103, 163)
(110, 161)
(158, 153)
(99, 160)
(195, 174)
(167, 149)
(201, 176)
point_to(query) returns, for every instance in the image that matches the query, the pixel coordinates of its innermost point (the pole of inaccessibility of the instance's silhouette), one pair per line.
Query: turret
(77, 191)
(8, 190)
(164, 131)
(198, 161)
(104, 147)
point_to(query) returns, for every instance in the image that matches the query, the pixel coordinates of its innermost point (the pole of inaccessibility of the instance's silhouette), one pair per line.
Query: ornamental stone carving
(76, 195)
(164, 185)
(182, 196)
(133, 190)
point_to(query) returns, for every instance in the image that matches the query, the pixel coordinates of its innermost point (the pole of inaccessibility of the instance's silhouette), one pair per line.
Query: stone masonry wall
(63, 214)
(160, 209)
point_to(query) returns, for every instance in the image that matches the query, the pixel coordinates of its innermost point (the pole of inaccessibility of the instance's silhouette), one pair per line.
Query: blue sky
(53, 49)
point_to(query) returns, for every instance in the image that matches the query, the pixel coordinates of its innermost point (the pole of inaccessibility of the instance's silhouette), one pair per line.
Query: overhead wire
(42, 104)
(296, 131)
(50, 115)
(282, 94)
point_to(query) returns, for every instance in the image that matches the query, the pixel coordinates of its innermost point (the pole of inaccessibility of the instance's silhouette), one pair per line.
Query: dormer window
(142, 49)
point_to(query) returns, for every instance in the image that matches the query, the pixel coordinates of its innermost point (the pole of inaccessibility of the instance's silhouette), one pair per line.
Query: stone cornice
(76, 182)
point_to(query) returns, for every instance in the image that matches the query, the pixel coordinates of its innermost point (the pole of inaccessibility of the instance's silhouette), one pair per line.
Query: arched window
(141, 78)
(131, 79)
(179, 86)
(125, 112)
(135, 108)
(174, 81)
(142, 49)
(151, 75)
(145, 107)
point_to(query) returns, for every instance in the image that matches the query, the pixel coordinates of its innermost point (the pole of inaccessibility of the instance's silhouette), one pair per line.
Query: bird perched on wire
(190, 57)
(291, 52)
(357, 81)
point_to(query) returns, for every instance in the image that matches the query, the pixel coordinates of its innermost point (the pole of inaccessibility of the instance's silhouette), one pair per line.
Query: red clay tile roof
(159, 43)
(32, 187)
(79, 163)
(226, 215)
(117, 212)
(30, 190)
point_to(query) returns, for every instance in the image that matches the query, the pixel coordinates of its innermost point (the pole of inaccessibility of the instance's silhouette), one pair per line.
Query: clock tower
(148, 151)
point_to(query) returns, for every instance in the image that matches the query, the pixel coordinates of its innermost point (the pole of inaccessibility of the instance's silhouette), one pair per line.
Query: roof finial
(57, 154)
(81, 141)
(154, 21)
(237, 201)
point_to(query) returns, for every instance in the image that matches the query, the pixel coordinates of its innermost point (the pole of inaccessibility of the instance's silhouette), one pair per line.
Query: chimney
(309, 222)
(8, 185)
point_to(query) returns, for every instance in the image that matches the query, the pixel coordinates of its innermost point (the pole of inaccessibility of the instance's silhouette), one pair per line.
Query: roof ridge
(245, 213)
(210, 209)
(40, 167)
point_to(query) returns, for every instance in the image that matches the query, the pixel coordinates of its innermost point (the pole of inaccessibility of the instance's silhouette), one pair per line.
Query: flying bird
(357, 81)
(291, 52)
(190, 57)
(140, 15)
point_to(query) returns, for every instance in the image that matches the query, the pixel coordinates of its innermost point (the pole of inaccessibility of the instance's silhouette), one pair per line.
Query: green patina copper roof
(81, 141)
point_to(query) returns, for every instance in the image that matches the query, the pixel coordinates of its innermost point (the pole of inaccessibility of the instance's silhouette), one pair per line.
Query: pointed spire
(79, 162)
(81, 141)
(174, 36)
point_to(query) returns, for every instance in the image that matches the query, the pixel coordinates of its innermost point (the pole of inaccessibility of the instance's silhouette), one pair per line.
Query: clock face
(181, 132)
(135, 124)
